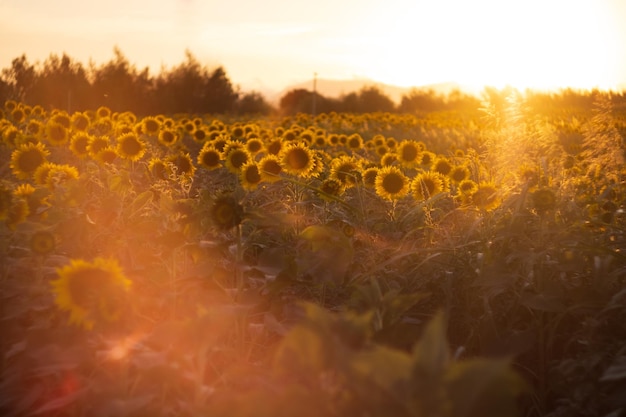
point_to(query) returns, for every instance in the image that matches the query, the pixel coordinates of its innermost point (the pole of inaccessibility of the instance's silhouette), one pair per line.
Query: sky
(271, 44)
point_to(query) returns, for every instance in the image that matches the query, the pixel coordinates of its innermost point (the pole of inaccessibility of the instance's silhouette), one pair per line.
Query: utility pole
(314, 91)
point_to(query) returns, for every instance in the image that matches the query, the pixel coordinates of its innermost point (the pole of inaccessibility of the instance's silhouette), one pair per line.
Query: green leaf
(483, 387)
(431, 354)
(304, 351)
(388, 368)
(138, 204)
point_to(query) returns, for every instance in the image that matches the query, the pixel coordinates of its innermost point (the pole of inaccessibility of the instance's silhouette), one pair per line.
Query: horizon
(268, 48)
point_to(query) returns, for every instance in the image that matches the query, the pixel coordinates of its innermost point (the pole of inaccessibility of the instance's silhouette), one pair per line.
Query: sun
(533, 44)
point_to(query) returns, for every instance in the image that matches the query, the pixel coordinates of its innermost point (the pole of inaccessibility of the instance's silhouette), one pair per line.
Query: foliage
(452, 263)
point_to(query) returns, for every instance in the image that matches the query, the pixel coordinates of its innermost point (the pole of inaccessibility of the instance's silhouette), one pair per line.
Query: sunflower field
(443, 264)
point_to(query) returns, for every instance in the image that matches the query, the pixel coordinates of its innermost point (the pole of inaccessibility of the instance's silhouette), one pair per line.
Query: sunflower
(18, 115)
(426, 158)
(41, 173)
(250, 177)
(226, 212)
(42, 243)
(236, 157)
(158, 169)
(369, 176)
(131, 147)
(63, 119)
(388, 159)
(254, 146)
(319, 141)
(270, 168)
(209, 157)
(27, 158)
(330, 188)
(10, 135)
(168, 137)
(34, 128)
(91, 291)
(391, 183)
(346, 169)
(408, 153)
(106, 155)
(355, 142)
(60, 175)
(56, 133)
(426, 185)
(459, 173)
(297, 159)
(150, 126)
(103, 112)
(486, 196)
(200, 135)
(79, 144)
(467, 187)
(183, 164)
(35, 197)
(80, 122)
(274, 146)
(442, 166)
(96, 144)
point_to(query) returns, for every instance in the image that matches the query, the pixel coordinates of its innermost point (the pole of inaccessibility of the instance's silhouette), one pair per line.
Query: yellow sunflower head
(347, 170)
(56, 133)
(182, 163)
(79, 144)
(92, 292)
(209, 157)
(408, 153)
(459, 173)
(158, 169)
(168, 137)
(236, 158)
(442, 165)
(270, 168)
(27, 158)
(96, 144)
(80, 122)
(391, 183)
(330, 188)
(486, 196)
(426, 185)
(297, 159)
(131, 147)
(250, 177)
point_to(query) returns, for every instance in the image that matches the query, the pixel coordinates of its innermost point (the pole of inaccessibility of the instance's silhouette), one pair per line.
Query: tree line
(63, 83)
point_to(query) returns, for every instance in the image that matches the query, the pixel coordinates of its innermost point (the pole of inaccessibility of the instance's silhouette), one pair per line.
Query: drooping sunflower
(408, 153)
(250, 177)
(92, 292)
(329, 188)
(391, 183)
(131, 147)
(27, 158)
(270, 168)
(426, 185)
(226, 212)
(297, 159)
(209, 157)
(486, 196)
(42, 242)
(56, 133)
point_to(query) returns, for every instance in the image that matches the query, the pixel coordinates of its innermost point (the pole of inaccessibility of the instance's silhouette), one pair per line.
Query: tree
(253, 103)
(20, 78)
(61, 84)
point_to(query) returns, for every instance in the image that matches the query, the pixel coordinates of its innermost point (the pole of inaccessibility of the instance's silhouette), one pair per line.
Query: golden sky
(271, 44)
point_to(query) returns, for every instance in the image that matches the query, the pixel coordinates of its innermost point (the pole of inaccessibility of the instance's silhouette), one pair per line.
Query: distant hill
(337, 88)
